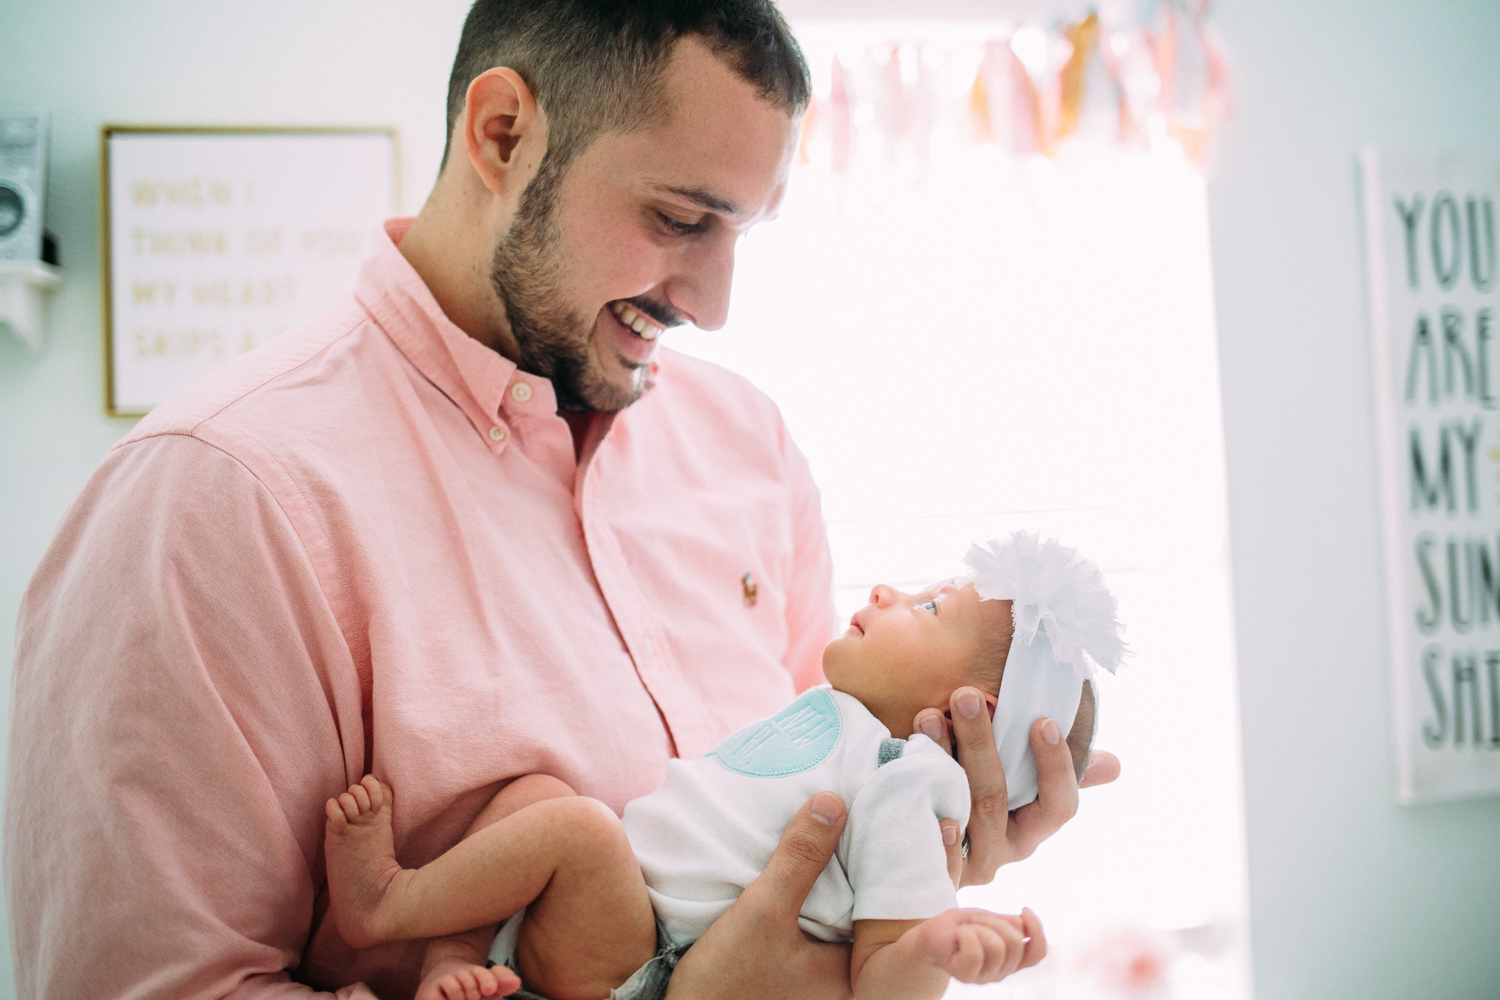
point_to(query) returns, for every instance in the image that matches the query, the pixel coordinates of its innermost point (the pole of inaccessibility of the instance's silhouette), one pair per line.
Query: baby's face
(906, 652)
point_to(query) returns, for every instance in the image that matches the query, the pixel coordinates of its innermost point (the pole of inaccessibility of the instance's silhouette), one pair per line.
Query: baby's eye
(930, 606)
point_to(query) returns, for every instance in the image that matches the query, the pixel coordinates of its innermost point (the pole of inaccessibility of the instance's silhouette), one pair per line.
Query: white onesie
(712, 826)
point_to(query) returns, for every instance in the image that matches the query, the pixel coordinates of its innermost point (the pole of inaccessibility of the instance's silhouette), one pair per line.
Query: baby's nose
(882, 596)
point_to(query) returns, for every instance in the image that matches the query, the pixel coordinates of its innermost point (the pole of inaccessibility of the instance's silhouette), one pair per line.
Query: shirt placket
(529, 407)
(641, 628)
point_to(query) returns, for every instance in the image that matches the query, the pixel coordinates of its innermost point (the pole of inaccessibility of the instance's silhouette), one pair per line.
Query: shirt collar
(472, 375)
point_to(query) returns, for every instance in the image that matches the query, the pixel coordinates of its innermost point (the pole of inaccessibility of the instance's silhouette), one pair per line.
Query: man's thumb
(805, 848)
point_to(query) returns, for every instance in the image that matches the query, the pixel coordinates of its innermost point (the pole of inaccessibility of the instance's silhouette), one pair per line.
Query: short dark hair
(594, 65)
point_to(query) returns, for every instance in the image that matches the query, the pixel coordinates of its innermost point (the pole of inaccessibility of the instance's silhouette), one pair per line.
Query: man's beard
(554, 342)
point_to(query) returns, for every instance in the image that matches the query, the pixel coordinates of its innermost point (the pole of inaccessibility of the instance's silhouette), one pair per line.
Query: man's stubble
(555, 342)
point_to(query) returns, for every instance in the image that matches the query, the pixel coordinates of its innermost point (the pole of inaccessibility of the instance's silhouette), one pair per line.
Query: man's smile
(637, 322)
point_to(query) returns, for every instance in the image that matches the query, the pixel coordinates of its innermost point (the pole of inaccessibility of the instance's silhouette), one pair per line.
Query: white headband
(1064, 626)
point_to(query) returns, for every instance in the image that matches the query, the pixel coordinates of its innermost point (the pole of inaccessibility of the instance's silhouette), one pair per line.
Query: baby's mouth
(637, 322)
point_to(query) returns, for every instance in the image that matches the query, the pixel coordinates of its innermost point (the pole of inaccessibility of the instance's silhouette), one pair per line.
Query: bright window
(979, 344)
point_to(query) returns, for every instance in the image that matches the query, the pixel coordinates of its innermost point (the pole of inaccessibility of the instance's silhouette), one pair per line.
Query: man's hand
(756, 948)
(998, 836)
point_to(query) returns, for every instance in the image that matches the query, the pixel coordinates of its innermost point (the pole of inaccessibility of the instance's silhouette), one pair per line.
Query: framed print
(1430, 240)
(217, 239)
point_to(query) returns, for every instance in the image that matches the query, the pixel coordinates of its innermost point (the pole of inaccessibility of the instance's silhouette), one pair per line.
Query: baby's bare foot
(459, 980)
(362, 868)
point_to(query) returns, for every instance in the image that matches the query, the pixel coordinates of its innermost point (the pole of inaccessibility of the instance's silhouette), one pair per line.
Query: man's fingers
(930, 723)
(1057, 790)
(981, 760)
(805, 848)
(1103, 768)
(953, 845)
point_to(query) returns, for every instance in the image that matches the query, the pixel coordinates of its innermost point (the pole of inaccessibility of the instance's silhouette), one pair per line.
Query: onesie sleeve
(898, 868)
(183, 704)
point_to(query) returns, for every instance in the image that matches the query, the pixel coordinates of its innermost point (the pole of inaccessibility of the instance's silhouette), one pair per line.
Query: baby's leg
(593, 926)
(456, 967)
(589, 922)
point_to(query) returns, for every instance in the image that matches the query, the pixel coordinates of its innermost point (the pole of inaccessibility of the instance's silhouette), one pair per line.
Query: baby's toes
(452, 988)
(489, 983)
(361, 797)
(349, 807)
(337, 821)
(378, 793)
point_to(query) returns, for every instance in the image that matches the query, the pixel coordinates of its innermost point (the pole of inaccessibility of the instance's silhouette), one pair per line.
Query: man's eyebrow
(703, 199)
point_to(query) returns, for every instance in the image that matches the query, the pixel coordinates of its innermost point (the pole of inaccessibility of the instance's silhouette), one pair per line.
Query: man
(470, 525)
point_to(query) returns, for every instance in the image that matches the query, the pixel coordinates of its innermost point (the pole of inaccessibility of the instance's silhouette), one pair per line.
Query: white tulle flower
(1053, 591)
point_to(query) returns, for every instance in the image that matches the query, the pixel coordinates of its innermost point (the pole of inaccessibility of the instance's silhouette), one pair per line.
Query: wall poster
(216, 240)
(1430, 235)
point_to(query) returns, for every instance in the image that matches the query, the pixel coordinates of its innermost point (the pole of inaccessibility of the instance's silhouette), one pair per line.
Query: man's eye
(679, 228)
(930, 606)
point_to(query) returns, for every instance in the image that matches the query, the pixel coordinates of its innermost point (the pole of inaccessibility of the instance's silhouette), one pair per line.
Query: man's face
(638, 235)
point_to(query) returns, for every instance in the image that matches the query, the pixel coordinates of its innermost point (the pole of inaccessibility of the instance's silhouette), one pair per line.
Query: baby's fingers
(1036, 939)
(989, 948)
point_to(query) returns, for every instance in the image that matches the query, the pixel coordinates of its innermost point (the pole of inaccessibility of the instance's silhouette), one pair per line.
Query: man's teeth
(643, 327)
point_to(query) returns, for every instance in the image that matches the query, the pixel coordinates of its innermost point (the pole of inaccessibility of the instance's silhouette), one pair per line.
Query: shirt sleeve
(810, 613)
(183, 704)
(897, 866)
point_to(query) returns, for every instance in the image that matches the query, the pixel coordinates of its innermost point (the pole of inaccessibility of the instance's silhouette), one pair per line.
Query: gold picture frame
(329, 142)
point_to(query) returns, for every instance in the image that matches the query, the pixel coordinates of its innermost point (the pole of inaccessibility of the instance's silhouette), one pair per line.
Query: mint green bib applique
(797, 738)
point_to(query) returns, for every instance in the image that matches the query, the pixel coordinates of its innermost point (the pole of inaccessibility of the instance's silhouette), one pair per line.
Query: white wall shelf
(24, 286)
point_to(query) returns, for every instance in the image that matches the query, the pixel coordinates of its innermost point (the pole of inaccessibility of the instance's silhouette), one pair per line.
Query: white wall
(1351, 896)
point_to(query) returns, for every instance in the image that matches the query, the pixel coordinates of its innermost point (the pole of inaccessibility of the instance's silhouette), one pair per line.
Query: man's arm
(756, 949)
(183, 703)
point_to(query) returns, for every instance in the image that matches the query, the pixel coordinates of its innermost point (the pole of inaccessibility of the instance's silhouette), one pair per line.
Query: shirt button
(521, 392)
(648, 646)
(497, 433)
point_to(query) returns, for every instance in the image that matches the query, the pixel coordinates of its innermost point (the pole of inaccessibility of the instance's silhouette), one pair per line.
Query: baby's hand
(976, 946)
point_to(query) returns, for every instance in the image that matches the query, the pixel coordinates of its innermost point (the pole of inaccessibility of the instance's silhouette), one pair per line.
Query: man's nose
(701, 288)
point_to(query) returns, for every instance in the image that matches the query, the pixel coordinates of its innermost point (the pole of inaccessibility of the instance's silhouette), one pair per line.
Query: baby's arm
(913, 959)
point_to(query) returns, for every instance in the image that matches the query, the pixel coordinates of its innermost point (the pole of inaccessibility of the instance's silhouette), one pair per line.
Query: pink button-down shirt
(368, 547)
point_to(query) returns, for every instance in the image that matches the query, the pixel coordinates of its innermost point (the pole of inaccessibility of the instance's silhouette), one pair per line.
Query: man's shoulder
(252, 390)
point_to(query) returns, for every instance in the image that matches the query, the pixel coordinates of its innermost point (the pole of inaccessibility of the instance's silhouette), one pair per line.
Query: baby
(600, 907)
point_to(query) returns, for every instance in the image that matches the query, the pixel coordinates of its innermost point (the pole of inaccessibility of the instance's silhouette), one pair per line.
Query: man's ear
(504, 133)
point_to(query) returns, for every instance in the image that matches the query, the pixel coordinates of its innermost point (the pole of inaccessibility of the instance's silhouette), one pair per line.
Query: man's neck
(443, 252)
